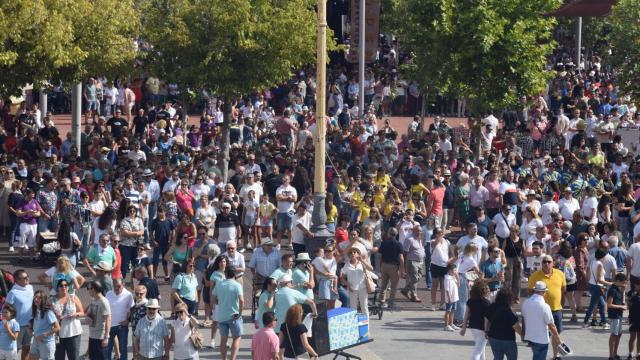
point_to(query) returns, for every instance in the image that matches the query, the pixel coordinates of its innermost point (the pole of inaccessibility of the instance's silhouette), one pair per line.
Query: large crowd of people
(545, 194)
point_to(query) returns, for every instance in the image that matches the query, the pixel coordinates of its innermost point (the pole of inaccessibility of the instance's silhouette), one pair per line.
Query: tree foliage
(42, 40)
(624, 39)
(489, 51)
(230, 46)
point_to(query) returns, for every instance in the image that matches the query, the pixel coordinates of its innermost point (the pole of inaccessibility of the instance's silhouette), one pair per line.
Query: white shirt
(546, 210)
(154, 189)
(354, 275)
(256, 187)
(478, 240)
(440, 253)
(568, 207)
(479, 196)
(170, 185)
(589, 204)
(503, 224)
(451, 289)
(120, 305)
(297, 235)
(286, 190)
(537, 317)
(634, 254)
(182, 348)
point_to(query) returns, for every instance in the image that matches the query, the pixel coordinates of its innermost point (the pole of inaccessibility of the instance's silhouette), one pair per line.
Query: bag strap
(293, 350)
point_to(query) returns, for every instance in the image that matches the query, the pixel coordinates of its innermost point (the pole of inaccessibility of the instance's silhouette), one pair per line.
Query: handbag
(196, 337)
(371, 285)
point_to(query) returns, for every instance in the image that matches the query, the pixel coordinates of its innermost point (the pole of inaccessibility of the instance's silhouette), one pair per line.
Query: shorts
(28, 233)
(233, 326)
(159, 253)
(557, 319)
(92, 105)
(249, 220)
(284, 221)
(206, 294)
(450, 307)
(265, 221)
(43, 350)
(572, 287)
(24, 337)
(8, 354)
(437, 272)
(325, 292)
(616, 326)
(214, 313)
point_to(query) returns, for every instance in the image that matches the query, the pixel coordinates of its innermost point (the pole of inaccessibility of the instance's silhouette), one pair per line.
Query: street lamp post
(319, 216)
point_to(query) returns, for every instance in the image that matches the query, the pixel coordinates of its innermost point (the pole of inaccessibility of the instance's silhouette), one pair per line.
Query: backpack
(6, 283)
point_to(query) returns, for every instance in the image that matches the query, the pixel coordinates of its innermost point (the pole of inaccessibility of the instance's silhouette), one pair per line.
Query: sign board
(630, 139)
(371, 30)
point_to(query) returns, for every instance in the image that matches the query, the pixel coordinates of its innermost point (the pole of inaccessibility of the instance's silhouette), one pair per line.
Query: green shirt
(228, 294)
(285, 298)
(95, 255)
(186, 285)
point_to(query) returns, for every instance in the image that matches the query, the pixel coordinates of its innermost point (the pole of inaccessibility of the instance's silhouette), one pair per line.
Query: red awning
(585, 8)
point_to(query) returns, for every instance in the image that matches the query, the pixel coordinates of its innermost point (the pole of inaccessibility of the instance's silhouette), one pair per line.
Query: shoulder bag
(371, 285)
(195, 337)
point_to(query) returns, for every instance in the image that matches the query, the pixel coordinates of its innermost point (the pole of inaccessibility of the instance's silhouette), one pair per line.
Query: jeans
(84, 233)
(427, 264)
(596, 298)
(153, 209)
(480, 344)
(128, 255)
(96, 351)
(539, 351)
(502, 348)
(122, 332)
(463, 296)
(47, 225)
(69, 347)
(343, 296)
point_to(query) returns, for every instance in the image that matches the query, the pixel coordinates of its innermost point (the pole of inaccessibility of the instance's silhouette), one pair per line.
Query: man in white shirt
(633, 257)
(250, 185)
(473, 237)
(172, 183)
(153, 187)
(478, 194)
(502, 223)
(568, 204)
(538, 322)
(120, 301)
(286, 196)
(548, 207)
(300, 225)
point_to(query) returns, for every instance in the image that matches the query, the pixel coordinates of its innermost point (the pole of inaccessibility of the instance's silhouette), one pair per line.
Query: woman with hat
(352, 276)
(302, 275)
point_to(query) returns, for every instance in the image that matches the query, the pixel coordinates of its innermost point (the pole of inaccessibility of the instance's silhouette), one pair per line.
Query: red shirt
(436, 198)
(117, 272)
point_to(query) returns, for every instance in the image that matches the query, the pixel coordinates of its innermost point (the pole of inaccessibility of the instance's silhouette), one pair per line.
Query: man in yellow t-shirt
(556, 285)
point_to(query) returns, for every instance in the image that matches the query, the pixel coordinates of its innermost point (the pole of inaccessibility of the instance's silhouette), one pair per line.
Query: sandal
(415, 299)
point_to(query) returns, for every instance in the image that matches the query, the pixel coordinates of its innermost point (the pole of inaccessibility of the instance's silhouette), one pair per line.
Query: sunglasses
(179, 312)
(547, 262)
(63, 285)
(231, 248)
(139, 294)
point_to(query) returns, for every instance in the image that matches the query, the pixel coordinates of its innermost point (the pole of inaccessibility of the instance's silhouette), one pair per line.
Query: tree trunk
(223, 156)
(423, 110)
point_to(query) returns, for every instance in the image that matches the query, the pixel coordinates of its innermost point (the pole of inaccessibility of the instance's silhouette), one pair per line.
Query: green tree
(232, 47)
(489, 51)
(42, 40)
(624, 39)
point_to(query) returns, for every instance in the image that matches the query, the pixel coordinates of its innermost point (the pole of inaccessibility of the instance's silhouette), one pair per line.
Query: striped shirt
(265, 264)
(152, 334)
(134, 196)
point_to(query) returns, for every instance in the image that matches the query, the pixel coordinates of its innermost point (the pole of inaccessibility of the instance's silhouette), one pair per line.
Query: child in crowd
(633, 303)
(325, 268)
(249, 213)
(266, 211)
(9, 333)
(450, 297)
(615, 309)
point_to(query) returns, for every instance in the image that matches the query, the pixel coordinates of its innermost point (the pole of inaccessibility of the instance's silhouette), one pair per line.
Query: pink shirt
(184, 200)
(494, 194)
(264, 343)
(436, 197)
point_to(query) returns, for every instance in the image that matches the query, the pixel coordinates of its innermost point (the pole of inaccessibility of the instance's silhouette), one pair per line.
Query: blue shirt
(7, 343)
(265, 264)
(22, 299)
(490, 270)
(152, 334)
(228, 293)
(621, 257)
(44, 324)
(299, 277)
(285, 298)
(186, 285)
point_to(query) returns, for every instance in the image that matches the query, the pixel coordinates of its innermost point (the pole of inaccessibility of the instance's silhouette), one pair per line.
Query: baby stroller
(49, 247)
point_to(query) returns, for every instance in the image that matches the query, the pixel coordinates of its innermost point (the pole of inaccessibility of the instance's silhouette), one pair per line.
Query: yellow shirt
(331, 215)
(383, 182)
(556, 282)
(364, 211)
(378, 200)
(356, 198)
(597, 160)
(419, 189)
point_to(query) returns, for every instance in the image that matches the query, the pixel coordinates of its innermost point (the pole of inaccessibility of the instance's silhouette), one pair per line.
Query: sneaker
(455, 327)
(605, 326)
(11, 249)
(147, 246)
(586, 325)
(384, 305)
(26, 247)
(241, 251)
(433, 308)
(213, 344)
(278, 247)
(449, 328)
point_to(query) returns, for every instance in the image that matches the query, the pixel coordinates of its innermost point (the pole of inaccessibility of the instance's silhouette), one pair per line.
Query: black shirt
(501, 321)
(116, 126)
(390, 251)
(477, 312)
(292, 348)
(633, 302)
(160, 231)
(615, 293)
(140, 124)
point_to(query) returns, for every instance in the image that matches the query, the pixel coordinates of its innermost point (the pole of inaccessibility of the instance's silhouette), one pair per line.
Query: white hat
(303, 257)
(153, 304)
(226, 204)
(530, 192)
(447, 172)
(540, 286)
(147, 172)
(285, 278)
(266, 241)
